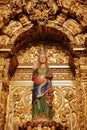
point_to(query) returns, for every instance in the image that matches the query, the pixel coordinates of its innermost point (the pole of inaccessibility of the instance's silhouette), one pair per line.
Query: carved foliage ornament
(42, 10)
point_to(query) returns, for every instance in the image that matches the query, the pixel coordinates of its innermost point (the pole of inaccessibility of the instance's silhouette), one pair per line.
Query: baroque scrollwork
(54, 55)
(42, 10)
(19, 106)
(64, 106)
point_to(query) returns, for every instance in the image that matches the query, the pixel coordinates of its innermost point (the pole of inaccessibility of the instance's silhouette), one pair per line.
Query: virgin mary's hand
(42, 77)
(35, 65)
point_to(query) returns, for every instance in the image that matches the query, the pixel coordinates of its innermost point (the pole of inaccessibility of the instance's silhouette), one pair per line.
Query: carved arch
(45, 34)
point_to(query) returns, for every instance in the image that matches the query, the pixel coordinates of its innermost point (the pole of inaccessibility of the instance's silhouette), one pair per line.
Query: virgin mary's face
(42, 58)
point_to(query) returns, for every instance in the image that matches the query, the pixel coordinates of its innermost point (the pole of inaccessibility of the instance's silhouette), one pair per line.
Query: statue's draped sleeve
(42, 102)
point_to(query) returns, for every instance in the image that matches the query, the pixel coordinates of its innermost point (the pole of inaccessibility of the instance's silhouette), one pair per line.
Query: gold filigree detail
(64, 102)
(54, 55)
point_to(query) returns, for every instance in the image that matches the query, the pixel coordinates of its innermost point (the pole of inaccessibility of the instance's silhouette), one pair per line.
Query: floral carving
(42, 10)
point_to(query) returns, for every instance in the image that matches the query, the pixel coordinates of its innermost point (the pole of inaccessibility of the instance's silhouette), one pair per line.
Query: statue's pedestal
(43, 125)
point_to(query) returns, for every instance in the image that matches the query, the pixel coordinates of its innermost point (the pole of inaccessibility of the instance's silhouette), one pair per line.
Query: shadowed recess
(41, 34)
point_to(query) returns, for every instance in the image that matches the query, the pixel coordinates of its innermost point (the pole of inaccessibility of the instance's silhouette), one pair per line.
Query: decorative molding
(51, 66)
(54, 83)
(4, 1)
(56, 76)
(79, 49)
(5, 50)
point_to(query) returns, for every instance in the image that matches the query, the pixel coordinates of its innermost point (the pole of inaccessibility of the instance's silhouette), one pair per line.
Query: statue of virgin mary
(42, 93)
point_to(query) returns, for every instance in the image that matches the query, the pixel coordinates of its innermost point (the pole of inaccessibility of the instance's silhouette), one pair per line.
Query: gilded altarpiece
(66, 16)
(19, 108)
